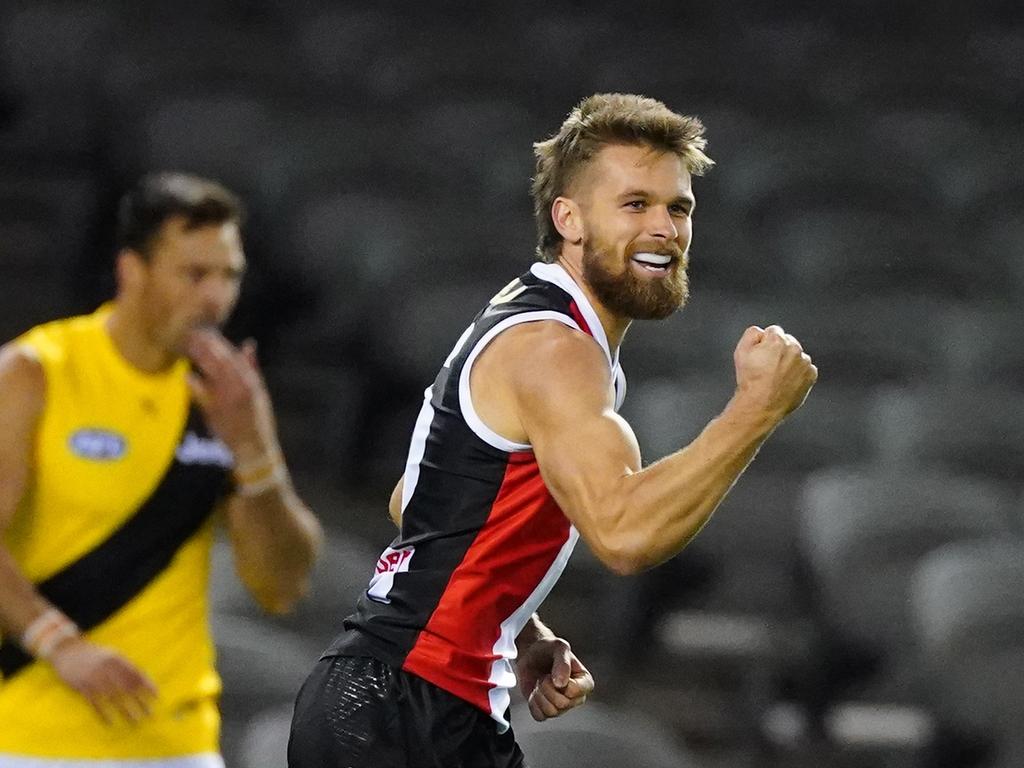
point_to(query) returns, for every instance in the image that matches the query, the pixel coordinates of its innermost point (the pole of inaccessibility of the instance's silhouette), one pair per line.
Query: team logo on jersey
(391, 561)
(98, 444)
(194, 449)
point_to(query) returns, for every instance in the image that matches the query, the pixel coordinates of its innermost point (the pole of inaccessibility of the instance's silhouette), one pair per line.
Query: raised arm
(550, 386)
(274, 535)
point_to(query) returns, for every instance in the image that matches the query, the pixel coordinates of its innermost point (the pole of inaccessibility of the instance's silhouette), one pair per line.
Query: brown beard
(629, 296)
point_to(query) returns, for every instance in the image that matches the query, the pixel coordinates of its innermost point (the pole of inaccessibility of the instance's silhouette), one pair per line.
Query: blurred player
(518, 451)
(116, 455)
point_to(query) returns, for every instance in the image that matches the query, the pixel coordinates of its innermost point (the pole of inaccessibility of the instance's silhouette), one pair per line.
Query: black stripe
(102, 581)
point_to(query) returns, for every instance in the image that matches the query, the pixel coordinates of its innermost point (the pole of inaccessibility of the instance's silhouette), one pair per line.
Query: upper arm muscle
(559, 387)
(22, 385)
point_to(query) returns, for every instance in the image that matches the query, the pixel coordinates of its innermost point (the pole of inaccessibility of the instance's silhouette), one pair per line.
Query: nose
(661, 223)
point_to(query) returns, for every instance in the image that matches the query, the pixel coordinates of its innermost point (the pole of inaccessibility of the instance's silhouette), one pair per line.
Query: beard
(630, 296)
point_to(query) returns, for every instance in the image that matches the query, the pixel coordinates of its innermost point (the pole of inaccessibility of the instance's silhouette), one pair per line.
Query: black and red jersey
(482, 541)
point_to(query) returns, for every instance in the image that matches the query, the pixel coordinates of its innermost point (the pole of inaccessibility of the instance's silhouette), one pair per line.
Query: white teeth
(656, 259)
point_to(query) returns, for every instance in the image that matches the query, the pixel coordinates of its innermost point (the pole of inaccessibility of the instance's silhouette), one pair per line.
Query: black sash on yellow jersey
(103, 580)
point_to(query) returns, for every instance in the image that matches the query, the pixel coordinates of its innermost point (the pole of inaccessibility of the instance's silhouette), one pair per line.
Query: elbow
(624, 563)
(623, 554)
(280, 599)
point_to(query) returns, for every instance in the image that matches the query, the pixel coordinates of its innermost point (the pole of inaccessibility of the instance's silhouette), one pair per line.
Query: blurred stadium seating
(867, 196)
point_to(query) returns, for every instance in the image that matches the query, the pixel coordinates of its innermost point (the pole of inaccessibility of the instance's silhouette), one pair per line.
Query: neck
(131, 341)
(615, 326)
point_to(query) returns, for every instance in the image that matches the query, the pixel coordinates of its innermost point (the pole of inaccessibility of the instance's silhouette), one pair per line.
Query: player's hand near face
(232, 394)
(114, 686)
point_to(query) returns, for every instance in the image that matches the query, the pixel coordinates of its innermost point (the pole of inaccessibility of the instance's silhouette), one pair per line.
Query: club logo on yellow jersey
(194, 449)
(98, 444)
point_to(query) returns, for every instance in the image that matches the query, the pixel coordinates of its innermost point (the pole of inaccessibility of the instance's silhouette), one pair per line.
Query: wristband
(255, 484)
(46, 632)
(259, 468)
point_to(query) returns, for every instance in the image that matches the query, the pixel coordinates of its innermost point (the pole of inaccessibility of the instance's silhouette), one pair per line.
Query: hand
(111, 684)
(232, 395)
(773, 372)
(552, 679)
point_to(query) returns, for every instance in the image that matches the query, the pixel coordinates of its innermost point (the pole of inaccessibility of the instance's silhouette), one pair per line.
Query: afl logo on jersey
(98, 444)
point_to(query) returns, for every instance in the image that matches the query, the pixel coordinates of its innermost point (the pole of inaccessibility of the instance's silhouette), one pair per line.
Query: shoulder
(22, 377)
(550, 341)
(51, 342)
(546, 358)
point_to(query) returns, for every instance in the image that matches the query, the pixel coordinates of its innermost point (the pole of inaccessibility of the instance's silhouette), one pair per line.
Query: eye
(636, 205)
(678, 209)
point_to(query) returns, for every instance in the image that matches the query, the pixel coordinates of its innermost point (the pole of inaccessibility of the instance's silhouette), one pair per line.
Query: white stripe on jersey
(503, 676)
(555, 273)
(469, 413)
(417, 446)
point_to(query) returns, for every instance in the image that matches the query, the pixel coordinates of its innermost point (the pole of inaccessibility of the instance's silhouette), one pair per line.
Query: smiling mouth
(655, 263)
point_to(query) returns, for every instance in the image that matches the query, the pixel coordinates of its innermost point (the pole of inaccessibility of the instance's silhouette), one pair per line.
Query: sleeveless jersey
(482, 541)
(115, 529)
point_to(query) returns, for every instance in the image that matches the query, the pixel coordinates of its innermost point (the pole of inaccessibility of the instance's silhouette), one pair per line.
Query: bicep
(22, 395)
(584, 449)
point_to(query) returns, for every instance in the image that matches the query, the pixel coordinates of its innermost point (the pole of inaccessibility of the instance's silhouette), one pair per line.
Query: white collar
(556, 273)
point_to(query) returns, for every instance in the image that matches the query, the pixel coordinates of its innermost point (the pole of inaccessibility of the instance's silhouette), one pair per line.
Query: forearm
(652, 514)
(20, 602)
(275, 538)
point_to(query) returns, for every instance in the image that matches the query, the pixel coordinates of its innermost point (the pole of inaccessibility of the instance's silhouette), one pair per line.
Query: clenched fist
(773, 373)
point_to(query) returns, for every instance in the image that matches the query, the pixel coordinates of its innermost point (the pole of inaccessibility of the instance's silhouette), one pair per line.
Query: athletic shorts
(358, 712)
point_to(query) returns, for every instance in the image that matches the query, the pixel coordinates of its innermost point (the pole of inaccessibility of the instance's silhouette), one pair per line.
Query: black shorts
(358, 712)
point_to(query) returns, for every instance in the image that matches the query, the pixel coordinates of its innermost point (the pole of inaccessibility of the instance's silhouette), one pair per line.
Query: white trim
(503, 676)
(417, 446)
(469, 413)
(555, 273)
(620, 386)
(205, 760)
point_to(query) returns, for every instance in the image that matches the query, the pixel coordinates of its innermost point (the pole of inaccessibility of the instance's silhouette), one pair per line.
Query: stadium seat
(982, 340)
(995, 238)
(868, 341)
(214, 135)
(977, 431)
(813, 164)
(969, 621)
(862, 533)
(596, 736)
(46, 46)
(848, 251)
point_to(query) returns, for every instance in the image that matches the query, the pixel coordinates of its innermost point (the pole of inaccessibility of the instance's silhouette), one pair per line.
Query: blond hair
(600, 120)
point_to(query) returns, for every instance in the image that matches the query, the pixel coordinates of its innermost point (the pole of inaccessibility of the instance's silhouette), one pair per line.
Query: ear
(568, 219)
(130, 269)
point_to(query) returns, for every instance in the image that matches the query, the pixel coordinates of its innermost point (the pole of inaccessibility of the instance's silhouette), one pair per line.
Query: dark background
(867, 196)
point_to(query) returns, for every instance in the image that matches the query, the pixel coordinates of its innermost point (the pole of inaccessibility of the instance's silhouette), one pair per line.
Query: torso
(482, 540)
(113, 441)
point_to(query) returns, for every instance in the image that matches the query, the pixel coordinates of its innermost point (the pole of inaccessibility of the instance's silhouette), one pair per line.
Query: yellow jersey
(116, 530)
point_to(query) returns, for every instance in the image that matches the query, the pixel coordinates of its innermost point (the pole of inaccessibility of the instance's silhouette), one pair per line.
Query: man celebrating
(116, 453)
(518, 451)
